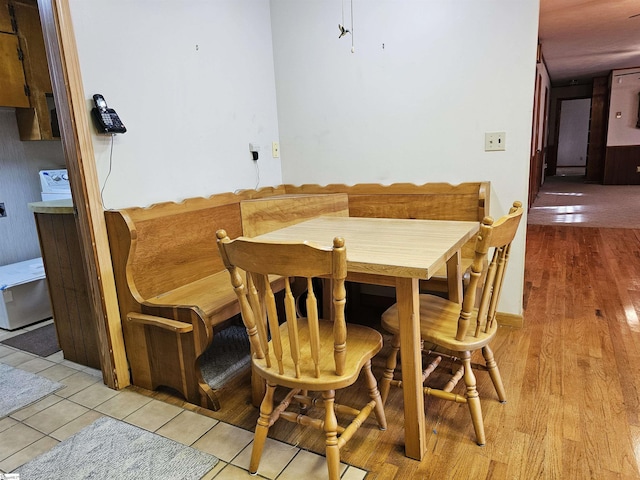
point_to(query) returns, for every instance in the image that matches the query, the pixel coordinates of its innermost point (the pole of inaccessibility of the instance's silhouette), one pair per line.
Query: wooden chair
(447, 325)
(302, 354)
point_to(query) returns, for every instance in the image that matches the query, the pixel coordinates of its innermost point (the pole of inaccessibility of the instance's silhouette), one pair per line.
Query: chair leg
(304, 408)
(473, 399)
(331, 432)
(374, 393)
(494, 373)
(392, 362)
(262, 428)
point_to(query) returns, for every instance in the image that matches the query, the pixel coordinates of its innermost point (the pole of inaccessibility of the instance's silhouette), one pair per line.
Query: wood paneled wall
(621, 167)
(598, 130)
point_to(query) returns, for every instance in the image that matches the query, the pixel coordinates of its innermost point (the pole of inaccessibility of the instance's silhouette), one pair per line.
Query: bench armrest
(161, 322)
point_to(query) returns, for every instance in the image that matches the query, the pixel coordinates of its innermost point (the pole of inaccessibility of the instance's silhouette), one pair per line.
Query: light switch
(495, 141)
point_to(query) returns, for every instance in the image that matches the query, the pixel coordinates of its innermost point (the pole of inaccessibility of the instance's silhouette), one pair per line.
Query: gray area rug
(111, 449)
(228, 354)
(19, 389)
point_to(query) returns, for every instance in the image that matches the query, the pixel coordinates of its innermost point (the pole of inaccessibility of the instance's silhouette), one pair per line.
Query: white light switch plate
(495, 141)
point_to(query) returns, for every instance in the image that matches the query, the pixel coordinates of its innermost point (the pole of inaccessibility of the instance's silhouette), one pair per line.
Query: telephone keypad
(107, 119)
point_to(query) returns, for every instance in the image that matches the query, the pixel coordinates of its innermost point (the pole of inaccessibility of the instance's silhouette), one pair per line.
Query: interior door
(573, 134)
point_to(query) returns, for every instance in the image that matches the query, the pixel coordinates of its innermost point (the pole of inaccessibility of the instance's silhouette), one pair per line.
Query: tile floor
(37, 428)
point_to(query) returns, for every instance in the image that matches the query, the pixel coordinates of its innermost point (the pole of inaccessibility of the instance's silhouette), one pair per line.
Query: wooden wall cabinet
(25, 82)
(6, 25)
(12, 82)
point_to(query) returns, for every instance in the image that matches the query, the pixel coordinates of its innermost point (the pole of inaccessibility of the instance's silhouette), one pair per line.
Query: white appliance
(55, 184)
(24, 296)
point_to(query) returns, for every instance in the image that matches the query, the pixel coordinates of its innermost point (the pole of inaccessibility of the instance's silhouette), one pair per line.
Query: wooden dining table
(399, 253)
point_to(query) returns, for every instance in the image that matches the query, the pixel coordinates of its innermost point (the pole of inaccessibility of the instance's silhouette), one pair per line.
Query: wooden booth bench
(174, 293)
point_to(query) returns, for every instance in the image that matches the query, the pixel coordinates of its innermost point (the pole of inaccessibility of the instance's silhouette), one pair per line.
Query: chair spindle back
(498, 236)
(250, 263)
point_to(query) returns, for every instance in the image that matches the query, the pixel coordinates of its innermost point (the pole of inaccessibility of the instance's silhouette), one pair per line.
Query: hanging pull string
(353, 48)
(343, 30)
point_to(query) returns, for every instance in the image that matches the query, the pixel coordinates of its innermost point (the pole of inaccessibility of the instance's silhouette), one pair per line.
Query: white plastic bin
(25, 296)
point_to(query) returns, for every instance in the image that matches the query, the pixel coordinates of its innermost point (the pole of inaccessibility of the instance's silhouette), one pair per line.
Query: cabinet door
(12, 82)
(33, 123)
(5, 19)
(32, 41)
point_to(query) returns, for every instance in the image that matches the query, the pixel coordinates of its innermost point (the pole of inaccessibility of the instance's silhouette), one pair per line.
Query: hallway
(565, 200)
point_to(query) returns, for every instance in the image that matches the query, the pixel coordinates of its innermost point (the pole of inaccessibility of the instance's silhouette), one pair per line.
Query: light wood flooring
(572, 376)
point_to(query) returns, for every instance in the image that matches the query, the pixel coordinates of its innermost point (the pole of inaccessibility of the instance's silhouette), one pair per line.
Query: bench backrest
(168, 245)
(431, 201)
(267, 214)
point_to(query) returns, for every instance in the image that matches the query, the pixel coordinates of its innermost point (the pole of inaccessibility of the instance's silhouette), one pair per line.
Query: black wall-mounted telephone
(106, 119)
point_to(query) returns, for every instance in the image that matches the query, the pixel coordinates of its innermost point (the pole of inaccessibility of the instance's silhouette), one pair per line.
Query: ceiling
(582, 39)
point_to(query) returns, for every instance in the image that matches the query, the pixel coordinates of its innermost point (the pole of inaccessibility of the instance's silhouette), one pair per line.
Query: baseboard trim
(509, 320)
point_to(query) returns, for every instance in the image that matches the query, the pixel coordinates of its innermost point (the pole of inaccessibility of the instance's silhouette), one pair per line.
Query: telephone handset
(106, 119)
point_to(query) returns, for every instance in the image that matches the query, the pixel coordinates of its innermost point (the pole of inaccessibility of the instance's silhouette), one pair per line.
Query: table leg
(407, 296)
(454, 278)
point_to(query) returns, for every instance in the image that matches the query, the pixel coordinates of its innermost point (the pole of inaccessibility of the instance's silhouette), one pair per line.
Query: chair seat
(439, 324)
(363, 344)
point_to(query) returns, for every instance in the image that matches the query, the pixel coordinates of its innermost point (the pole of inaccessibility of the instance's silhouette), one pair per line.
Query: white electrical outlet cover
(495, 141)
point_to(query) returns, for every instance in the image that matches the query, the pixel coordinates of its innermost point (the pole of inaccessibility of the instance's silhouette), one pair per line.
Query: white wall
(625, 87)
(417, 109)
(193, 82)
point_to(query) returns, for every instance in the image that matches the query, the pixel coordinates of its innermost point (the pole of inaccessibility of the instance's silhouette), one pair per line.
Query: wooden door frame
(534, 155)
(545, 132)
(76, 136)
